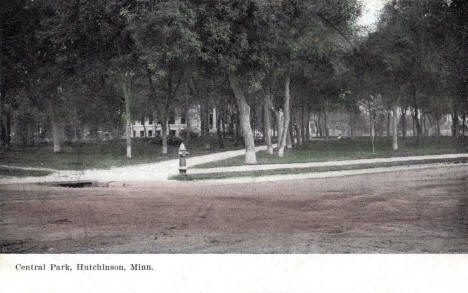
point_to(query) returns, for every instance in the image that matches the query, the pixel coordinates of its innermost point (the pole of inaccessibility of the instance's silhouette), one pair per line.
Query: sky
(371, 11)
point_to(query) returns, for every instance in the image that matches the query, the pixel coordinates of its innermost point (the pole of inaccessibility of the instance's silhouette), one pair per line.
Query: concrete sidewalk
(330, 174)
(143, 172)
(247, 168)
(161, 170)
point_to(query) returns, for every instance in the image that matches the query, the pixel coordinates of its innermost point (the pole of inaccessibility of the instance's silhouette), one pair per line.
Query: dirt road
(423, 211)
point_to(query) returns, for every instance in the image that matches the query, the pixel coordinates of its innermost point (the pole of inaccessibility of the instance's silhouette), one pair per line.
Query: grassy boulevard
(7, 172)
(352, 149)
(344, 149)
(290, 171)
(99, 155)
(103, 155)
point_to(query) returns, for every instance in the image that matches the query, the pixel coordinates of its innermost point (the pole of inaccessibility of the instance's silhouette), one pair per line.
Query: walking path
(143, 172)
(331, 174)
(161, 170)
(245, 168)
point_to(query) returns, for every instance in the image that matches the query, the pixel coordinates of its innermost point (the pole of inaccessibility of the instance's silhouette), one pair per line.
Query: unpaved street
(402, 212)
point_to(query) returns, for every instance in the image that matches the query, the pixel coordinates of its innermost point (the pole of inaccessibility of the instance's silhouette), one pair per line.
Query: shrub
(174, 140)
(183, 133)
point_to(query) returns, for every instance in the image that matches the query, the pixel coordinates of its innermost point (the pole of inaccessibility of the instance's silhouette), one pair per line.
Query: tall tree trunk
(56, 137)
(219, 132)
(372, 119)
(232, 119)
(417, 125)
(395, 127)
(253, 116)
(325, 125)
(128, 121)
(351, 121)
(292, 138)
(286, 109)
(3, 131)
(316, 127)
(303, 136)
(204, 119)
(319, 125)
(455, 123)
(388, 123)
(188, 125)
(267, 122)
(224, 120)
(3, 118)
(463, 125)
(128, 140)
(437, 118)
(280, 124)
(238, 129)
(423, 124)
(164, 134)
(307, 129)
(75, 131)
(403, 122)
(83, 131)
(244, 115)
(298, 130)
(289, 141)
(8, 126)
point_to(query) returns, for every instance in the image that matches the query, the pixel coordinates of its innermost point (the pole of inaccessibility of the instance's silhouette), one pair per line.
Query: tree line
(72, 64)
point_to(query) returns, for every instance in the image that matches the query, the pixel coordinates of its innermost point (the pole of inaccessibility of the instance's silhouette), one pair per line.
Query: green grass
(289, 171)
(102, 155)
(344, 149)
(22, 173)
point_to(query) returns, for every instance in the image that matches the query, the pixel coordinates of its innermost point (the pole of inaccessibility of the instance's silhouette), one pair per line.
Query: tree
(164, 35)
(306, 31)
(17, 60)
(229, 34)
(68, 37)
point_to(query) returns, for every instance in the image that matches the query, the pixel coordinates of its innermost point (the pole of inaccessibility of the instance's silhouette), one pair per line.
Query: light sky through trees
(371, 12)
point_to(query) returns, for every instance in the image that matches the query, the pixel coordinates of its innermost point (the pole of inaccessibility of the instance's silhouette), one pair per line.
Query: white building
(176, 123)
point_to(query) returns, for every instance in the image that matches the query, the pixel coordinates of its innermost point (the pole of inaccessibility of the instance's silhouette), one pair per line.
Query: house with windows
(178, 122)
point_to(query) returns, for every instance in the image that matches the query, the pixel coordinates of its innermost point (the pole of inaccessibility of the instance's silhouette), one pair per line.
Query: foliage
(92, 63)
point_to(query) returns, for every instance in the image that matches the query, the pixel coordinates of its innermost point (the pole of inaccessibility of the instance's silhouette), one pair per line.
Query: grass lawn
(260, 173)
(102, 155)
(22, 173)
(357, 148)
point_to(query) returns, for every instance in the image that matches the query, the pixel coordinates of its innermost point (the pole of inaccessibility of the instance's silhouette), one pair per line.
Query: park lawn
(103, 155)
(12, 172)
(349, 149)
(291, 171)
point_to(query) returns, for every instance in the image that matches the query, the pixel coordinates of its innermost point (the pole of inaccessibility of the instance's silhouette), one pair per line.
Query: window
(150, 133)
(150, 120)
(211, 121)
(182, 119)
(142, 133)
(171, 118)
(158, 133)
(134, 133)
(172, 133)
